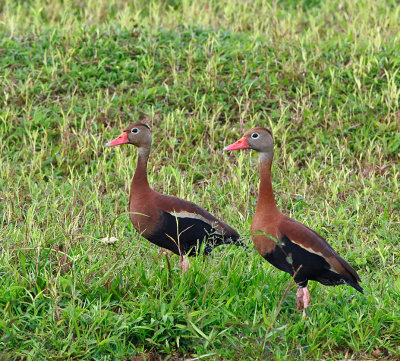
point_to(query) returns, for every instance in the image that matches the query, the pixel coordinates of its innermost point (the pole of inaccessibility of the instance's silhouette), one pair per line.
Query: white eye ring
(255, 135)
(135, 130)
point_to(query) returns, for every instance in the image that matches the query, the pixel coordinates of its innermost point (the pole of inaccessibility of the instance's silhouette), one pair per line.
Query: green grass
(323, 76)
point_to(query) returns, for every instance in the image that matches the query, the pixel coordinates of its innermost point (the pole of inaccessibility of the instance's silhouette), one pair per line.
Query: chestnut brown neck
(139, 180)
(266, 200)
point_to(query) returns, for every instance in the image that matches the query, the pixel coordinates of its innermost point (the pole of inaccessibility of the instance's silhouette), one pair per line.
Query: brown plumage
(169, 222)
(287, 244)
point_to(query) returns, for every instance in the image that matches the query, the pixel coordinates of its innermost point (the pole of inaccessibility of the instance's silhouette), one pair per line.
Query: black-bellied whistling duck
(298, 250)
(169, 222)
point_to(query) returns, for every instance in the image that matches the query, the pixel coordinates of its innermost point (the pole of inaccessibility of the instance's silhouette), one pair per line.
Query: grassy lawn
(323, 76)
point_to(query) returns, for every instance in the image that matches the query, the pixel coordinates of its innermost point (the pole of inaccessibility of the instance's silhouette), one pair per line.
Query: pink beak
(240, 144)
(122, 139)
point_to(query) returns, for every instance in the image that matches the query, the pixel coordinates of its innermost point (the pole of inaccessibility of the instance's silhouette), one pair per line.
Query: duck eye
(135, 130)
(255, 135)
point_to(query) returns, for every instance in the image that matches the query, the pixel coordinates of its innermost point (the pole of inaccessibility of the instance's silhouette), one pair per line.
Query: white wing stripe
(185, 214)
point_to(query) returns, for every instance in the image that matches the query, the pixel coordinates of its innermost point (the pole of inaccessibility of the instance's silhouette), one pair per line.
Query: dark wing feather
(312, 242)
(297, 261)
(184, 235)
(172, 204)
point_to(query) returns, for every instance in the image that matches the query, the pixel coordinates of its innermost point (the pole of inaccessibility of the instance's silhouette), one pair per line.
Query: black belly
(290, 257)
(186, 235)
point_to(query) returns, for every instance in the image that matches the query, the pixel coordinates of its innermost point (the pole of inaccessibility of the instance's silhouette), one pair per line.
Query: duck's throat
(140, 177)
(266, 199)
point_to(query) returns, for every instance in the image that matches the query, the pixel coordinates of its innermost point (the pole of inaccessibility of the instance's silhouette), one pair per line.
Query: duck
(172, 223)
(285, 243)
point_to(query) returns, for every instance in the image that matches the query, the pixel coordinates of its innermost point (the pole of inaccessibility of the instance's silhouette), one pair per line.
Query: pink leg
(306, 297)
(183, 263)
(300, 302)
(303, 299)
